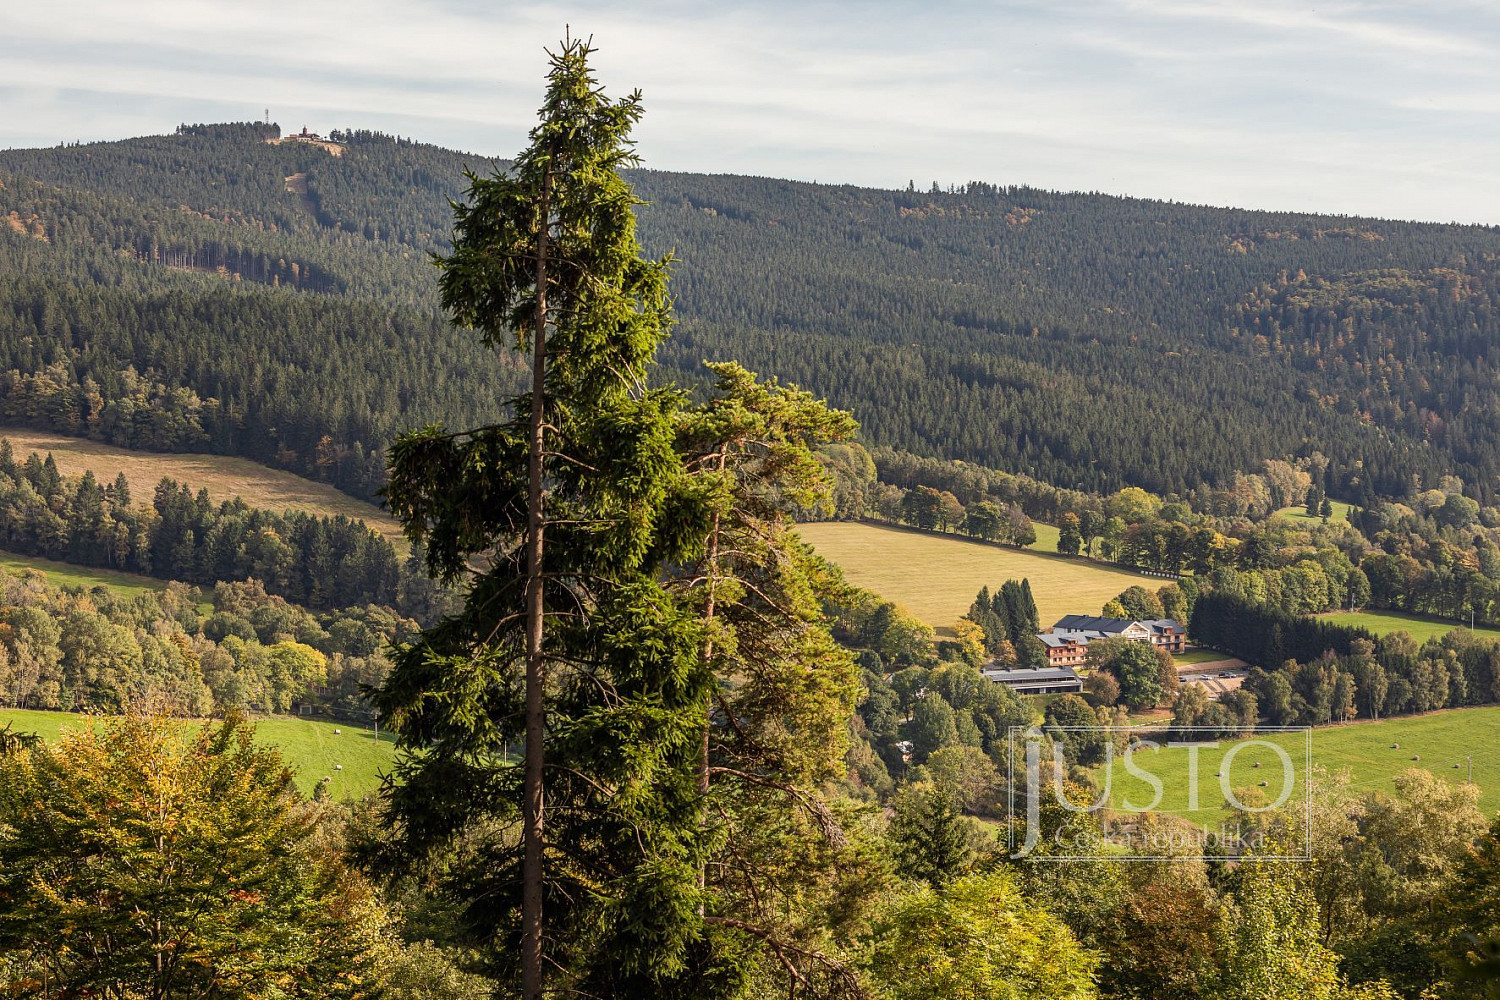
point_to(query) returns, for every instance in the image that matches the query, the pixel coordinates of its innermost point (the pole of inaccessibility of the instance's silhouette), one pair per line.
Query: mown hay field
(223, 476)
(935, 577)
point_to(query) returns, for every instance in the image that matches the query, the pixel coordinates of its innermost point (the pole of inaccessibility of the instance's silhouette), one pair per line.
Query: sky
(1366, 108)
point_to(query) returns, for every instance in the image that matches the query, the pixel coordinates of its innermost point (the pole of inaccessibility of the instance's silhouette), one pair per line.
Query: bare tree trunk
(708, 652)
(532, 808)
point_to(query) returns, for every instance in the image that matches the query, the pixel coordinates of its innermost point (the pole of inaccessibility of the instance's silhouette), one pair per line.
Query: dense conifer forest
(212, 290)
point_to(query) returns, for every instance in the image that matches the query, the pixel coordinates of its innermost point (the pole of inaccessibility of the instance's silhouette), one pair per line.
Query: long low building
(1068, 640)
(1043, 680)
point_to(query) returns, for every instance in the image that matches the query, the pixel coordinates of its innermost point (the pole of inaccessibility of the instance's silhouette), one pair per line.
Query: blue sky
(1373, 108)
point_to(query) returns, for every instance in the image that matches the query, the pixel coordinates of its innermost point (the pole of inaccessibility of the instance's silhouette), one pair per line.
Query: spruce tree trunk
(708, 653)
(532, 819)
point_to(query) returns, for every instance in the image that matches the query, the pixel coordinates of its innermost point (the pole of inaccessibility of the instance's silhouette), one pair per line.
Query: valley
(760, 777)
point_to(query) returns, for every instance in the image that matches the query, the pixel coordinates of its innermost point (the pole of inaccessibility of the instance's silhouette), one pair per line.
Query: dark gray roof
(1091, 623)
(1063, 638)
(1096, 623)
(1032, 676)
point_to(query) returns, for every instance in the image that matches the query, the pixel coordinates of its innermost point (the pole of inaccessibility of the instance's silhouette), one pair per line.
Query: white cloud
(1375, 108)
(1360, 23)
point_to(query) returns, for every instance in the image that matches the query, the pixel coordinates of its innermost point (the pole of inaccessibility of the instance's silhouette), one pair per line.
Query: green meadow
(1421, 627)
(313, 748)
(1443, 740)
(1340, 512)
(1200, 656)
(61, 574)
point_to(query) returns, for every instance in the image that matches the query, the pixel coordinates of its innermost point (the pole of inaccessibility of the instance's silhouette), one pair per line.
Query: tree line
(320, 561)
(1393, 675)
(183, 652)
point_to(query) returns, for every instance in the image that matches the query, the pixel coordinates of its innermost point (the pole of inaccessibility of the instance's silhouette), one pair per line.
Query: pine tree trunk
(532, 821)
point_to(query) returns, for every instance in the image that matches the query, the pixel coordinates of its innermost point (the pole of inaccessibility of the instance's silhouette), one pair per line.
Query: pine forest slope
(213, 292)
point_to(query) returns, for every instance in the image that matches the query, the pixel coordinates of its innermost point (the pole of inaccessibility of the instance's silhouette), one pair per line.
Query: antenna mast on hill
(267, 118)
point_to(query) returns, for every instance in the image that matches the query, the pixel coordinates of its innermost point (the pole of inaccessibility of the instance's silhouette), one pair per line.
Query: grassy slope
(1421, 627)
(1441, 739)
(310, 747)
(223, 477)
(67, 575)
(936, 577)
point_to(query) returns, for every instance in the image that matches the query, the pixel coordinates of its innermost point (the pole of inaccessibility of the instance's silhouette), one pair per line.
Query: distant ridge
(1091, 340)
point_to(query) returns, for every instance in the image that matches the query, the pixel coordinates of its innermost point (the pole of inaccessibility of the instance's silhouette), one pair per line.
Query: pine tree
(775, 731)
(569, 642)
(1028, 606)
(982, 613)
(1011, 596)
(981, 606)
(121, 492)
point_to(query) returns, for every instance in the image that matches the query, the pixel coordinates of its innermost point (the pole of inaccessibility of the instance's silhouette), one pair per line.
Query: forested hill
(213, 291)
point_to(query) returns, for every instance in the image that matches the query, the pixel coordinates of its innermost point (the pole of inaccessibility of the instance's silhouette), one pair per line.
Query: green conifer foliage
(569, 647)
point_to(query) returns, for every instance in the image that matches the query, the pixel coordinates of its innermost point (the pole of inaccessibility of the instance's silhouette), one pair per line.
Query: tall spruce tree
(1028, 605)
(930, 836)
(562, 515)
(1005, 627)
(1014, 601)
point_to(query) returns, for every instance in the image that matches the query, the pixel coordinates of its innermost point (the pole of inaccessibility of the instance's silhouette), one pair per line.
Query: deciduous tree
(135, 862)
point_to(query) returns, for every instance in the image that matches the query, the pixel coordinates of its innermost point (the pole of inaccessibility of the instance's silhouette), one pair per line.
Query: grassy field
(312, 748)
(1421, 627)
(67, 575)
(1340, 512)
(1200, 656)
(224, 477)
(1441, 739)
(1046, 537)
(935, 577)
